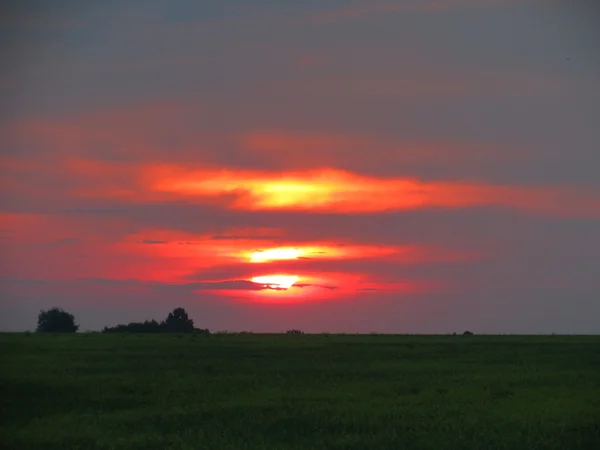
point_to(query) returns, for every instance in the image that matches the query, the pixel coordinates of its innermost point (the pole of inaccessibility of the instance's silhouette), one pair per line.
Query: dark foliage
(177, 321)
(149, 326)
(468, 333)
(294, 331)
(56, 320)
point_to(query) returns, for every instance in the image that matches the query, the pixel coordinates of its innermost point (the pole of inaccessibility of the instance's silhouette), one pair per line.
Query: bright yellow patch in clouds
(319, 251)
(275, 254)
(325, 189)
(336, 191)
(276, 281)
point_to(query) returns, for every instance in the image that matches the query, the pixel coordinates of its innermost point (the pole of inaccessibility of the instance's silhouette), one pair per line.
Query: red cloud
(63, 248)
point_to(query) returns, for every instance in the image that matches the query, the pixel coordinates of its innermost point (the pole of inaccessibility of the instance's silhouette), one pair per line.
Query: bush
(294, 331)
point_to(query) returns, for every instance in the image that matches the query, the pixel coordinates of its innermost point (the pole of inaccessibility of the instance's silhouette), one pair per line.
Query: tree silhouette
(178, 322)
(56, 320)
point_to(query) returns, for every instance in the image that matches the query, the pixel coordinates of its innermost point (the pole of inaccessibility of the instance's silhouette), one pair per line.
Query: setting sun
(276, 281)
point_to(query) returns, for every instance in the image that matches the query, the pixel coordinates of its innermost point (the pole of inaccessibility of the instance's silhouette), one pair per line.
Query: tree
(178, 322)
(56, 320)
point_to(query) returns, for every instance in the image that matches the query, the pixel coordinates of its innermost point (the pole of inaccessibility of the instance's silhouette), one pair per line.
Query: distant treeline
(152, 326)
(176, 322)
(57, 320)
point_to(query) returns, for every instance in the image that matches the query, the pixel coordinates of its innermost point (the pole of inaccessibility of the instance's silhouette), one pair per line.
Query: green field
(93, 391)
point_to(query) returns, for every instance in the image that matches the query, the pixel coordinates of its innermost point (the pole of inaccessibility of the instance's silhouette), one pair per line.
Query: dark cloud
(227, 285)
(110, 281)
(322, 286)
(182, 287)
(151, 241)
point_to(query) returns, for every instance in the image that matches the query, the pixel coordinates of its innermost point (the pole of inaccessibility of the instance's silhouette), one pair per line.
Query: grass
(93, 391)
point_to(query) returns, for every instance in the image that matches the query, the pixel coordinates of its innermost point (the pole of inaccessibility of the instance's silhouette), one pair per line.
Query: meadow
(125, 391)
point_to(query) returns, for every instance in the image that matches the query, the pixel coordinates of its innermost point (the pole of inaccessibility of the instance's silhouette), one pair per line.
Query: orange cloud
(335, 191)
(316, 190)
(323, 190)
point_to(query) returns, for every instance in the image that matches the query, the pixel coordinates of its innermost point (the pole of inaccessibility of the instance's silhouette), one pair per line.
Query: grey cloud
(24, 281)
(458, 227)
(111, 281)
(181, 287)
(84, 210)
(227, 285)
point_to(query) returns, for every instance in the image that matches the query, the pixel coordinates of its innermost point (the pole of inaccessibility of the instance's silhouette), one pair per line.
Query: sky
(391, 166)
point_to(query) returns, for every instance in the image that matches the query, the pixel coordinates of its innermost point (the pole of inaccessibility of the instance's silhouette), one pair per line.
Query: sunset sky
(398, 166)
